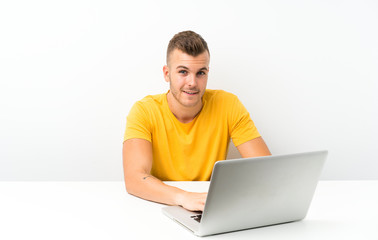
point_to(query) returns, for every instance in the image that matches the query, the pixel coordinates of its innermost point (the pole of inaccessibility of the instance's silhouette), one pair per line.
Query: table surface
(103, 210)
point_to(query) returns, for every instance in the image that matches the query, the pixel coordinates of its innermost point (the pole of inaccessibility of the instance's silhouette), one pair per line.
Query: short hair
(189, 42)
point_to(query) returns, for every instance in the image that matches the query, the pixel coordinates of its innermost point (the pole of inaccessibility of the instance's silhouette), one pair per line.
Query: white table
(103, 210)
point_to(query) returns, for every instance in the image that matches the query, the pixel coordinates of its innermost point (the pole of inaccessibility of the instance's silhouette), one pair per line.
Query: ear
(166, 73)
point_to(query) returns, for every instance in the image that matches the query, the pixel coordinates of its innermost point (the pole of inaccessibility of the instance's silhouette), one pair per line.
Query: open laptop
(255, 192)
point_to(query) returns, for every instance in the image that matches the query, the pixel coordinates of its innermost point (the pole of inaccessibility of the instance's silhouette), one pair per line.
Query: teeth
(190, 92)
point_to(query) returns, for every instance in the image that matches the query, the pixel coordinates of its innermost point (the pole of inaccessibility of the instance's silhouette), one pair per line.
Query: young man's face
(187, 76)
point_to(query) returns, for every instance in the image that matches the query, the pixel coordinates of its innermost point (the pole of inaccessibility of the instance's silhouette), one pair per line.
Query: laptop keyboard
(197, 217)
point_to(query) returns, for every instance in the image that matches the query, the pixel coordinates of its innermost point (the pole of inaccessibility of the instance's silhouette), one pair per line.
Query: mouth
(189, 92)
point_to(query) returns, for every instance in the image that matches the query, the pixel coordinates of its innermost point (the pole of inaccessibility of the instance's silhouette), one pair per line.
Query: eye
(183, 72)
(201, 73)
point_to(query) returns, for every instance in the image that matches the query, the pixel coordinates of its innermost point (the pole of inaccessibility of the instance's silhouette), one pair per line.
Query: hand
(192, 201)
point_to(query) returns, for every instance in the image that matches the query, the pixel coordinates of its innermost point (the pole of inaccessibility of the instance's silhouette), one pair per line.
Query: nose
(192, 80)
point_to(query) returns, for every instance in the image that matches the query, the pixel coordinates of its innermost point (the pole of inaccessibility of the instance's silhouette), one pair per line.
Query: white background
(70, 71)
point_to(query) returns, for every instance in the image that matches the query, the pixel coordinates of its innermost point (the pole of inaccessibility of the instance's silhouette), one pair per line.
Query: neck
(182, 113)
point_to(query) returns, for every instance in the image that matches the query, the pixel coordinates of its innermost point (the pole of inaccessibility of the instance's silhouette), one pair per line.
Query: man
(179, 135)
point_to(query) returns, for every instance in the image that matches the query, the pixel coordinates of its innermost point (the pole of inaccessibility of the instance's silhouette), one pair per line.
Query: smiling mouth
(191, 92)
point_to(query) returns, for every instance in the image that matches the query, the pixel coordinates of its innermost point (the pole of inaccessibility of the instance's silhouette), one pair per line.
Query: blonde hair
(189, 42)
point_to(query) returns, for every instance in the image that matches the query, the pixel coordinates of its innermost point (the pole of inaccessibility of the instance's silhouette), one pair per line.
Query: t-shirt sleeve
(138, 124)
(242, 128)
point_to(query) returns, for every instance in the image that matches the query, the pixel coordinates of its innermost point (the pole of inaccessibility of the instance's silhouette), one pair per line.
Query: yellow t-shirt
(188, 151)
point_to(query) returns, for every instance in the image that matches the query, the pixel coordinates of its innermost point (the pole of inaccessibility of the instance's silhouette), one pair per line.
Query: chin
(191, 105)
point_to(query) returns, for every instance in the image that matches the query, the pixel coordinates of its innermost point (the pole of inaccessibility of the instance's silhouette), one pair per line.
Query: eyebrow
(180, 66)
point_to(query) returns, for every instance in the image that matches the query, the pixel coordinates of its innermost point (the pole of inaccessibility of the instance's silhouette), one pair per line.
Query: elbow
(131, 185)
(128, 185)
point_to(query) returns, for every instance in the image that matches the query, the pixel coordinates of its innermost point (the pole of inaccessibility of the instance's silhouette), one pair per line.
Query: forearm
(137, 159)
(150, 188)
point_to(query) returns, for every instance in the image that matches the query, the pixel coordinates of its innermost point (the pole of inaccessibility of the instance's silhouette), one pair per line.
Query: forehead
(179, 58)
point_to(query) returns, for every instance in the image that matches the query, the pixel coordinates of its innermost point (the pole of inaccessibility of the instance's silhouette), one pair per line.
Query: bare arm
(137, 164)
(254, 148)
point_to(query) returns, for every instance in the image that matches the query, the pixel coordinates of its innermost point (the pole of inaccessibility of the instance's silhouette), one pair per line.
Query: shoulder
(148, 106)
(150, 101)
(223, 102)
(219, 96)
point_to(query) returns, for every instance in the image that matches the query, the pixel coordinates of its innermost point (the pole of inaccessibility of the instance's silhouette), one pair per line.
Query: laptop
(254, 192)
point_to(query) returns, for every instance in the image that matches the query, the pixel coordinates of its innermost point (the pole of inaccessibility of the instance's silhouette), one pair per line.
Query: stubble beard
(176, 97)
